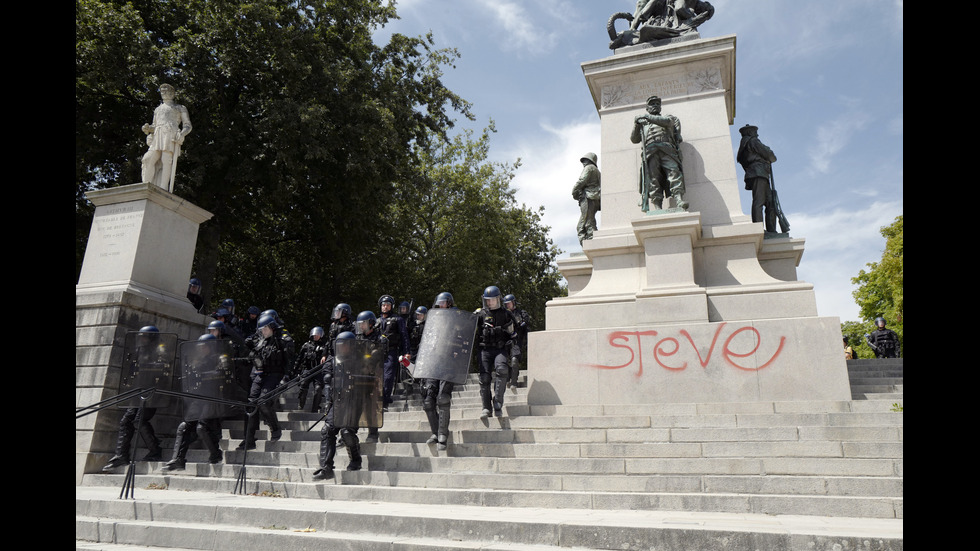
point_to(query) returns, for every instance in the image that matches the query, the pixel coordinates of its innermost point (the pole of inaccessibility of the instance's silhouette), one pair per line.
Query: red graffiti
(666, 347)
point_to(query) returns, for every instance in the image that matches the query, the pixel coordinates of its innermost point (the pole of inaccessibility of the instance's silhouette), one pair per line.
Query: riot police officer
(340, 322)
(270, 362)
(369, 328)
(127, 427)
(248, 324)
(207, 430)
(519, 349)
(418, 327)
(194, 294)
(884, 341)
(392, 326)
(437, 394)
(328, 434)
(495, 338)
(309, 359)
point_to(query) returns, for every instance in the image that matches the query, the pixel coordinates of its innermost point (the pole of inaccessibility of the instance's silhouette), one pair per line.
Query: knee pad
(444, 400)
(485, 378)
(502, 370)
(182, 428)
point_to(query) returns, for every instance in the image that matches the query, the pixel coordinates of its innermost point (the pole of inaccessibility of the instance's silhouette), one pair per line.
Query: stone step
(663, 449)
(201, 476)
(202, 520)
(516, 417)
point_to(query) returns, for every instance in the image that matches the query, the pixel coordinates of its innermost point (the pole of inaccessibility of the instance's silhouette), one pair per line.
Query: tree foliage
(881, 288)
(460, 229)
(316, 150)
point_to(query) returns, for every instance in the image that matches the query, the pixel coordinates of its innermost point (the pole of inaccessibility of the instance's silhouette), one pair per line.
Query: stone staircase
(733, 476)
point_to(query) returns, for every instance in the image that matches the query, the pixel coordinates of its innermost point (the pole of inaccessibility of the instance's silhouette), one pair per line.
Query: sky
(823, 81)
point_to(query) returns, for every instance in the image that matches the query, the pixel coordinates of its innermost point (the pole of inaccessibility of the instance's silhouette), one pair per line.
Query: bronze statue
(587, 193)
(661, 169)
(756, 160)
(658, 20)
(171, 123)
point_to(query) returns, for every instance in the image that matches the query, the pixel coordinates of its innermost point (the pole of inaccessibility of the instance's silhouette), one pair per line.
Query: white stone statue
(171, 123)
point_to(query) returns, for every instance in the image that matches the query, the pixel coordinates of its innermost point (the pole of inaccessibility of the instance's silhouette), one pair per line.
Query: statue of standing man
(587, 192)
(661, 171)
(756, 160)
(171, 123)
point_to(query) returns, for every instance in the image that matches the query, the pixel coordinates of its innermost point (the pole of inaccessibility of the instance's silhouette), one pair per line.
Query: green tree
(302, 128)
(880, 289)
(325, 158)
(459, 228)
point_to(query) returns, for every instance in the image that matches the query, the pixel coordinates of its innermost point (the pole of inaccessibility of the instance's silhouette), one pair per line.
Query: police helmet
(386, 299)
(254, 310)
(420, 313)
(341, 311)
(149, 329)
(217, 324)
(274, 314)
(229, 304)
(222, 313)
(444, 300)
(491, 298)
(510, 302)
(267, 319)
(880, 321)
(342, 344)
(403, 308)
(316, 332)
(365, 322)
(194, 282)
(207, 337)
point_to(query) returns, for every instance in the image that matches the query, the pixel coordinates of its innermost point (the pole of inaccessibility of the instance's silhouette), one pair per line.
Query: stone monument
(135, 272)
(680, 306)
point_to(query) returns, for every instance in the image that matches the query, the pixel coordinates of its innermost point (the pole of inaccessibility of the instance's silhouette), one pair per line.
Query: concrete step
(219, 521)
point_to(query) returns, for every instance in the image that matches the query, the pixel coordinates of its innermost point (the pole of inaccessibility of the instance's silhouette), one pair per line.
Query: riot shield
(358, 379)
(447, 345)
(148, 362)
(207, 369)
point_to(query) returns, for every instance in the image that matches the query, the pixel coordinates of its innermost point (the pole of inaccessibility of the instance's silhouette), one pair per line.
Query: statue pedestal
(676, 306)
(137, 263)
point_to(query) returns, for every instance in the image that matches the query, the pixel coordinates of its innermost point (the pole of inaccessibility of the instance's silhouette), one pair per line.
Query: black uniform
(271, 358)
(328, 434)
(519, 349)
(885, 343)
(495, 338)
(392, 326)
(308, 361)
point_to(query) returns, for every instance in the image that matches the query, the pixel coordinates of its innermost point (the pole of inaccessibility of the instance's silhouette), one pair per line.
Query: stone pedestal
(135, 272)
(681, 306)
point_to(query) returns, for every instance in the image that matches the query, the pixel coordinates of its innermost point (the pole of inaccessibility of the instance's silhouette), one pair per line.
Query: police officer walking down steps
(495, 337)
(437, 394)
(342, 347)
(309, 359)
(369, 329)
(270, 361)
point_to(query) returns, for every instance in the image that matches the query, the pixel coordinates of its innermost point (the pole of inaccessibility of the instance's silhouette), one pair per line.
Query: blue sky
(823, 81)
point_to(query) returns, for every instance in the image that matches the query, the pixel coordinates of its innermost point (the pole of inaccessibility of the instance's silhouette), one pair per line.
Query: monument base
(135, 272)
(758, 360)
(680, 306)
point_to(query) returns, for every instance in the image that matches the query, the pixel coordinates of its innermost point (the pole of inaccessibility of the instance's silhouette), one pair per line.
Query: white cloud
(523, 32)
(550, 167)
(832, 137)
